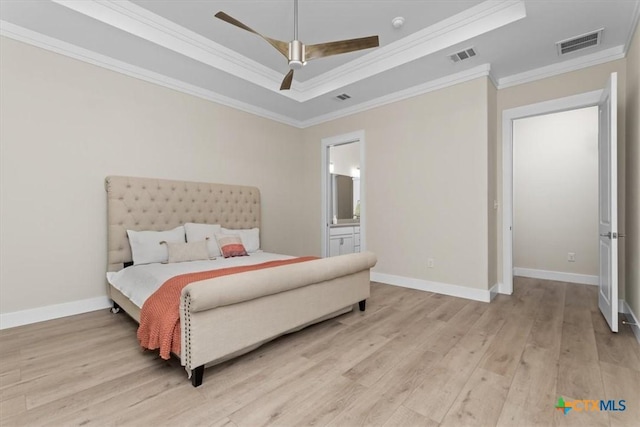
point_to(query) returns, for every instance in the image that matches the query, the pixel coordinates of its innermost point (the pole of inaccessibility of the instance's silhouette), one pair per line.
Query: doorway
(555, 197)
(508, 117)
(343, 181)
(606, 101)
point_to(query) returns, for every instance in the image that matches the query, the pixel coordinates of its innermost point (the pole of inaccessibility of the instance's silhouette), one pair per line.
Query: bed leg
(116, 308)
(362, 304)
(197, 375)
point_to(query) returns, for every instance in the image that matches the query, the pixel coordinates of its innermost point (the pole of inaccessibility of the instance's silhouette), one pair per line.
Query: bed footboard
(246, 310)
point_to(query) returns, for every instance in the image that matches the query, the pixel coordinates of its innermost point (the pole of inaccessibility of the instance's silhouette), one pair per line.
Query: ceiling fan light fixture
(296, 65)
(296, 54)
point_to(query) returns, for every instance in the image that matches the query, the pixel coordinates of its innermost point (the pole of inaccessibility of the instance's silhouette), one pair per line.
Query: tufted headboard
(160, 204)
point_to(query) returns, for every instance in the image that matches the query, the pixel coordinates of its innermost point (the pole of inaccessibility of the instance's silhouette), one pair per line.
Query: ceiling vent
(580, 42)
(343, 97)
(462, 55)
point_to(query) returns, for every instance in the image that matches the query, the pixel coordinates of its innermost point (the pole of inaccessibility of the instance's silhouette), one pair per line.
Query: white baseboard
(558, 276)
(624, 308)
(494, 291)
(40, 314)
(483, 295)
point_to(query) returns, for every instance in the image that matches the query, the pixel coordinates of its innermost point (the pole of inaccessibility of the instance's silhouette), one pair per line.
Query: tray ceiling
(180, 44)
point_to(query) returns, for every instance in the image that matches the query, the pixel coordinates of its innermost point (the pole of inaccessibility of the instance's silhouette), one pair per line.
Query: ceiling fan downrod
(296, 47)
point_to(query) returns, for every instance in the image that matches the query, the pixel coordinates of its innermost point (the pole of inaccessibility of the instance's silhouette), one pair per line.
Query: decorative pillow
(198, 232)
(181, 252)
(231, 245)
(250, 237)
(146, 247)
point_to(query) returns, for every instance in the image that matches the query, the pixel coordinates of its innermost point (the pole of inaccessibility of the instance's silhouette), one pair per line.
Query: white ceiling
(181, 45)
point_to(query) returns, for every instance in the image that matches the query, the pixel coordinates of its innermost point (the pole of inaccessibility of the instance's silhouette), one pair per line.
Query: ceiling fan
(297, 53)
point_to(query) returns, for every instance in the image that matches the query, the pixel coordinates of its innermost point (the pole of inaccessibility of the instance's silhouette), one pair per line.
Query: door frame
(326, 144)
(574, 102)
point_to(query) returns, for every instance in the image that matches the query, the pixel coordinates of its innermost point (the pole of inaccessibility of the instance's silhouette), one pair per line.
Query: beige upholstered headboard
(160, 204)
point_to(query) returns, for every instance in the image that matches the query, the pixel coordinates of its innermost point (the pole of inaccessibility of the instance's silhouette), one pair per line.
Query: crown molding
(635, 19)
(129, 17)
(480, 19)
(145, 24)
(441, 83)
(607, 55)
(24, 35)
(33, 38)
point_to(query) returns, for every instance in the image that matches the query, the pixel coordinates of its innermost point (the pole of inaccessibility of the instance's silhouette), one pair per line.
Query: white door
(608, 202)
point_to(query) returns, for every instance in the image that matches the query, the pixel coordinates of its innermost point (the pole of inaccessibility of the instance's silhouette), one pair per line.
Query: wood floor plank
(324, 347)
(270, 406)
(533, 389)
(169, 401)
(8, 379)
(12, 407)
(9, 360)
(480, 401)
(444, 382)
(495, 315)
(579, 379)
(581, 296)
(224, 422)
(97, 404)
(412, 299)
(376, 404)
(547, 328)
(448, 307)
(371, 369)
(230, 399)
(615, 348)
(504, 353)
(322, 407)
(404, 417)
(622, 383)
(412, 358)
(578, 343)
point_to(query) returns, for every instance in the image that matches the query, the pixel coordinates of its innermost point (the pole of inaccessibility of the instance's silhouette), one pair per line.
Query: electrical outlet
(430, 263)
(571, 257)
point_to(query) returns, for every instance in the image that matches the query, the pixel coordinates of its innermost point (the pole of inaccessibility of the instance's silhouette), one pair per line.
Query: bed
(227, 316)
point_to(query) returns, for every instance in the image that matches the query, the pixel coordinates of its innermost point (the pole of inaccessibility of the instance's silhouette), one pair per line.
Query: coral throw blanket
(160, 315)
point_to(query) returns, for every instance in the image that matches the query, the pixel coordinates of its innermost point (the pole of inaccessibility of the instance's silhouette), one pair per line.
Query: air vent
(580, 42)
(462, 55)
(343, 97)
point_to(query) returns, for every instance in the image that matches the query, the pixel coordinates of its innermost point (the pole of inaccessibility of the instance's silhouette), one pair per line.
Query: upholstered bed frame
(230, 315)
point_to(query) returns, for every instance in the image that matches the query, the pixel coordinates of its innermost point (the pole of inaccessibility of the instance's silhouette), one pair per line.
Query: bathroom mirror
(342, 196)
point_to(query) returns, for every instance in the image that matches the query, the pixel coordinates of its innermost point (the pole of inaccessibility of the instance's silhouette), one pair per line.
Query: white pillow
(250, 237)
(199, 232)
(146, 247)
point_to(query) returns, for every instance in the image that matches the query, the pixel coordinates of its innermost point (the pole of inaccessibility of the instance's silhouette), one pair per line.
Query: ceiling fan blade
(342, 46)
(282, 47)
(286, 83)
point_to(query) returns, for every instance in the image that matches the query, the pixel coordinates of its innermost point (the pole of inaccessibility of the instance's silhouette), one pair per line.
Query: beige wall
(426, 183)
(434, 164)
(632, 228)
(67, 124)
(573, 83)
(555, 187)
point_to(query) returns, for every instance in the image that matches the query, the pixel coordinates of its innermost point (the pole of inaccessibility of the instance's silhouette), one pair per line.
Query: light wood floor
(412, 359)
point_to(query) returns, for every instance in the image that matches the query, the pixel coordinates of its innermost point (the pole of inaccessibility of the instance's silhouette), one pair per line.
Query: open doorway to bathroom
(343, 194)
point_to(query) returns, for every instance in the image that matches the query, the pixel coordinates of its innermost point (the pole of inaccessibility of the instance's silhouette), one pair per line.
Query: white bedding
(138, 282)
